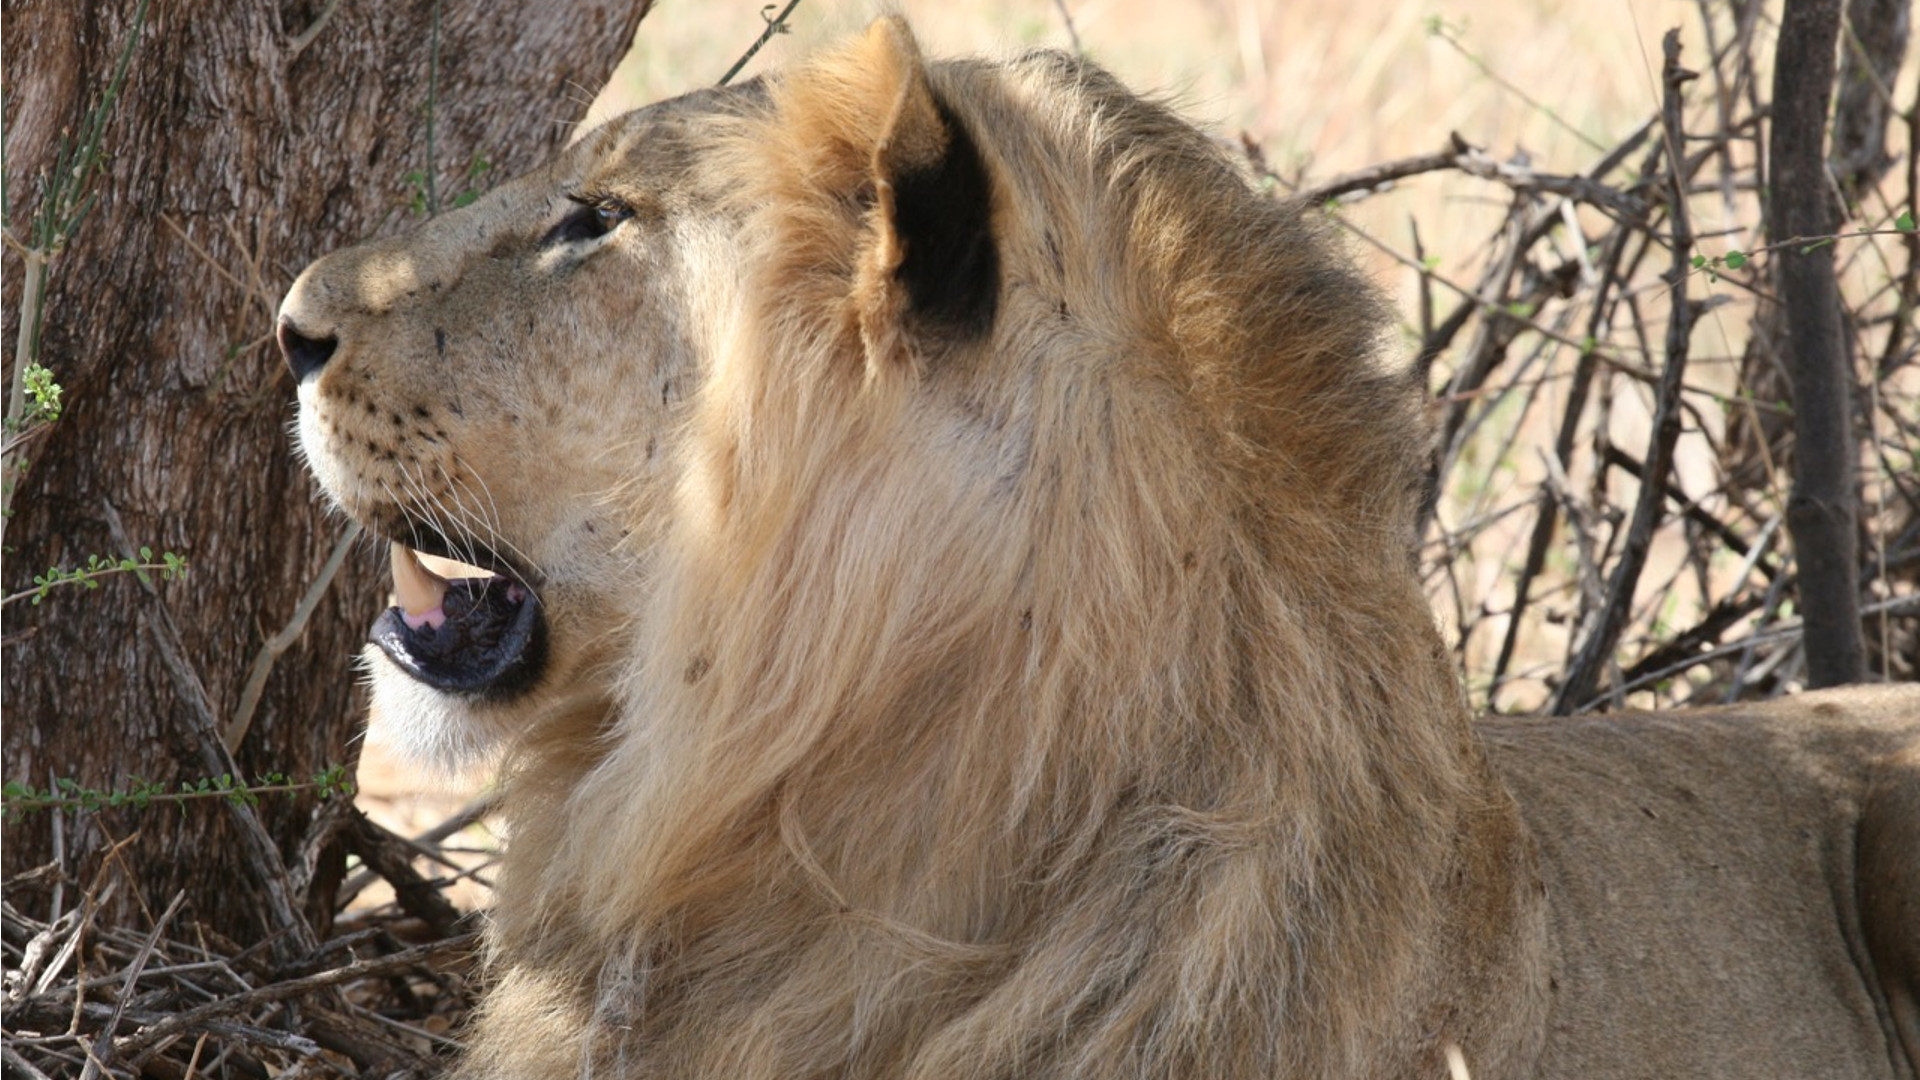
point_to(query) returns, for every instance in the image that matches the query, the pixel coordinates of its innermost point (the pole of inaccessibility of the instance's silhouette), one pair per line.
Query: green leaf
(1736, 260)
(1904, 222)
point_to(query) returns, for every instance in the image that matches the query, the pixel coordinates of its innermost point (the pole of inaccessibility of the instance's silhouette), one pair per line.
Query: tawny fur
(1054, 701)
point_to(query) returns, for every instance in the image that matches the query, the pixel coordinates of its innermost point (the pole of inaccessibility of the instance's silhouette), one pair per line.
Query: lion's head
(506, 387)
(951, 613)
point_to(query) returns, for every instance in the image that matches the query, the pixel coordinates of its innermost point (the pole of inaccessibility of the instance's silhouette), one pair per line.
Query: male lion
(951, 618)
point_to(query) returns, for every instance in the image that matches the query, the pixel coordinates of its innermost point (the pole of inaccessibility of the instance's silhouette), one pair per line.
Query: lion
(947, 613)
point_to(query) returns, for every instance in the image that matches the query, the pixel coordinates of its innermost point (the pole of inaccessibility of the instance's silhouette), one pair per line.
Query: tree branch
(1822, 511)
(1603, 630)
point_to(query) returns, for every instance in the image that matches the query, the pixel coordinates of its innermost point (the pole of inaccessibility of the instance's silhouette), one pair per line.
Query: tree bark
(1822, 511)
(249, 138)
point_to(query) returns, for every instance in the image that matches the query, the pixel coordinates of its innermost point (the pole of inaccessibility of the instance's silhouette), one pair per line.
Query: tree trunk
(1822, 512)
(248, 139)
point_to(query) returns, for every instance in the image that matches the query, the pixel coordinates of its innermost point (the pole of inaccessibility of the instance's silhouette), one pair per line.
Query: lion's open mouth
(481, 636)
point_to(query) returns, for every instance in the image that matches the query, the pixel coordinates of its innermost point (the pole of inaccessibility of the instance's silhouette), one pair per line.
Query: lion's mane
(1047, 701)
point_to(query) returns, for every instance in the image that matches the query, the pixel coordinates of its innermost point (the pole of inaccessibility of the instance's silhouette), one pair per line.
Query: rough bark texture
(235, 156)
(1822, 511)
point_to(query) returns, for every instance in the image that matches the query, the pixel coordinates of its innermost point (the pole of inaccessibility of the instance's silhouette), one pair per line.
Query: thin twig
(195, 1018)
(1576, 406)
(271, 649)
(1787, 630)
(1461, 156)
(775, 25)
(1066, 18)
(16, 1062)
(1602, 634)
(102, 1051)
(305, 38)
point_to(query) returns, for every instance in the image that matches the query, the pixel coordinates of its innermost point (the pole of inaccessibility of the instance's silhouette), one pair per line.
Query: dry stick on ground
(198, 1017)
(1822, 512)
(168, 991)
(391, 857)
(1603, 631)
(101, 1054)
(94, 1017)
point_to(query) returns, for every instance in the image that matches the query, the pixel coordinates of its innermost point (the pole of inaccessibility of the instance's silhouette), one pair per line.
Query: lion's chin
(443, 733)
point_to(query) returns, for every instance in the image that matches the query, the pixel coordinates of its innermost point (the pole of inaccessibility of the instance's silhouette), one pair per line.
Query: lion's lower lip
(482, 636)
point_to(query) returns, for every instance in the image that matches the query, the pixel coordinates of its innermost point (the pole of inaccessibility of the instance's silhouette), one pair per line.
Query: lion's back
(1713, 907)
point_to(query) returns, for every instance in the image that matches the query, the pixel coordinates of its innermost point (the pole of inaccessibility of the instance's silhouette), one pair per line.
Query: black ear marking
(943, 217)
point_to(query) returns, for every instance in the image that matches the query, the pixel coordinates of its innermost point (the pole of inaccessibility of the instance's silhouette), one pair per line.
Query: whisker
(491, 519)
(406, 516)
(482, 525)
(431, 508)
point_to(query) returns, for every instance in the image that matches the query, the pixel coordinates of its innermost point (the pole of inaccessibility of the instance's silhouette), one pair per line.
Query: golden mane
(1059, 776)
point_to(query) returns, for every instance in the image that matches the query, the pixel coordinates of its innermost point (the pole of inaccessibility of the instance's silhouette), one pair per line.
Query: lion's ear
(929, 271)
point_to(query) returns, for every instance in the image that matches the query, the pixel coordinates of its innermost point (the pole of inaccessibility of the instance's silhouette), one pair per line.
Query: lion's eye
(591, 219)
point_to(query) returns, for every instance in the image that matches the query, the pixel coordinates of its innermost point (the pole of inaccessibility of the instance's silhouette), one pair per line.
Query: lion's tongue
(421, 592)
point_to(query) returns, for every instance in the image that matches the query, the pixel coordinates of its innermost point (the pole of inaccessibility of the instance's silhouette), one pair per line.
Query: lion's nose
(305, 355)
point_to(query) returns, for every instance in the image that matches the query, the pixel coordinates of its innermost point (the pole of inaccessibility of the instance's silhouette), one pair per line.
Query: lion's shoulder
(1722, 855)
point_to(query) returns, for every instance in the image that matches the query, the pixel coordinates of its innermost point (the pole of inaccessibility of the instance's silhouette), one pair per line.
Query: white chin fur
(429, 728)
